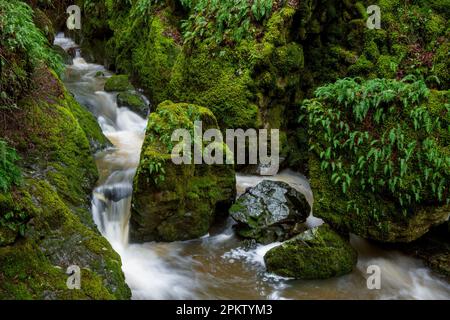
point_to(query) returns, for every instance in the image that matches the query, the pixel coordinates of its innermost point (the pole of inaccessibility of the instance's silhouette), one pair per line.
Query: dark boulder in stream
(318, 253)
(272, 211)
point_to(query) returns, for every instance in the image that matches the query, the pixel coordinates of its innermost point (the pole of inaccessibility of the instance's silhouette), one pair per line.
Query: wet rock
(433, 249)
(134, 102)
(272, 211)
(118, 83)
(115, 193)
(319, 253)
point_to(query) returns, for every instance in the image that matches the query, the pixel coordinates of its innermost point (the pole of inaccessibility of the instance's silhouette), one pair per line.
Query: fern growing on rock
(23, 47)
(385, 138)
(223, 21)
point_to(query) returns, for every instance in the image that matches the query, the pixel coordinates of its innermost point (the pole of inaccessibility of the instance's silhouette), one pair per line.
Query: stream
(218, 265)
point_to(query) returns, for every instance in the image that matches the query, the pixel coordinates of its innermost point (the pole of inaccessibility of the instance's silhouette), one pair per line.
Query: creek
(218, 265)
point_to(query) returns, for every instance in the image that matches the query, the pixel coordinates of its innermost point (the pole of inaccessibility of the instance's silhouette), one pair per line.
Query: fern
(18, 32)
(377, 135)
(22, 48)
(10, 174)
(223, 21)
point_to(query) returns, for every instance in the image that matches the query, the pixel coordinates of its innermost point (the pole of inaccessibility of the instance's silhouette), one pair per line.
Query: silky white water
(217, 266)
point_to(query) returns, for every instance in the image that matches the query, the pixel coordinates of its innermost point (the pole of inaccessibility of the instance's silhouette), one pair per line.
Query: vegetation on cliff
(383, 145)
(373, 135)
(47, 174)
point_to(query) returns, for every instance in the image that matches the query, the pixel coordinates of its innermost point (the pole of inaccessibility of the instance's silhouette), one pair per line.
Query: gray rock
(272, 211)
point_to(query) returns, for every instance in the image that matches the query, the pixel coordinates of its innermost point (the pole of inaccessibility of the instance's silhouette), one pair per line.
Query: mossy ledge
(51, 132)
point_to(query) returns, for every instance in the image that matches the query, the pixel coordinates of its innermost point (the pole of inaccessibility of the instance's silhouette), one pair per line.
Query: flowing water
(217, 266)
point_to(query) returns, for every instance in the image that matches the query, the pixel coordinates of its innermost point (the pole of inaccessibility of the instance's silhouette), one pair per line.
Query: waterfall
(217, 266)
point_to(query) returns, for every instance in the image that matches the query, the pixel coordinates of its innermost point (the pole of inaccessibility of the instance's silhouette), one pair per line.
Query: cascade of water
(217, 265)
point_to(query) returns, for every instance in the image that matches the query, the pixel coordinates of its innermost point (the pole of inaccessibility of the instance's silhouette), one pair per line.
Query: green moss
(387, 66)
(213, 81)
(177, 202)
(362, 66)
(88, 123)
(118, 83)
(441, 63)
(154, 59)
(50, 209)
(380, 191)
(289, 58)
(134, 101)
(276, 31)
(319, 253)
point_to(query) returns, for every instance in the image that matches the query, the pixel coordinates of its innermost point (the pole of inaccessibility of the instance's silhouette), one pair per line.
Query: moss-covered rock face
(152, 61)
(319, 253)
(177, 202)
(48, 218)
(380, 163)
(149, 61)
(118, 83)
(217, 83)
(270, 212)
(250, 84)
(410, 41)
(134, 102)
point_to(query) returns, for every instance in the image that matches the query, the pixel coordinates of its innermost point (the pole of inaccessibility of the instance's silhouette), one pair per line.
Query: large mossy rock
(118, 83)
(177, 202)
(318, 253)
(270, 212)
(380, 166)
(134, 101)
(48, 217)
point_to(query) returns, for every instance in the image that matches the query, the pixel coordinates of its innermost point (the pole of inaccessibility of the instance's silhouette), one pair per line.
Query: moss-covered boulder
(270, 212)
(47, 216)
(118, 83)
(380, 166)
(134, 101)
(177, 202)
(319, 253)
(65, 56)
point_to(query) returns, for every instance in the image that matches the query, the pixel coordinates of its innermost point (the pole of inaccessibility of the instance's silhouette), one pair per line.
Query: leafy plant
(157, 171)
(381, 136)
(23, 47)
(14, 221)
(20, 33)
(10, 174)
(222, 21)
